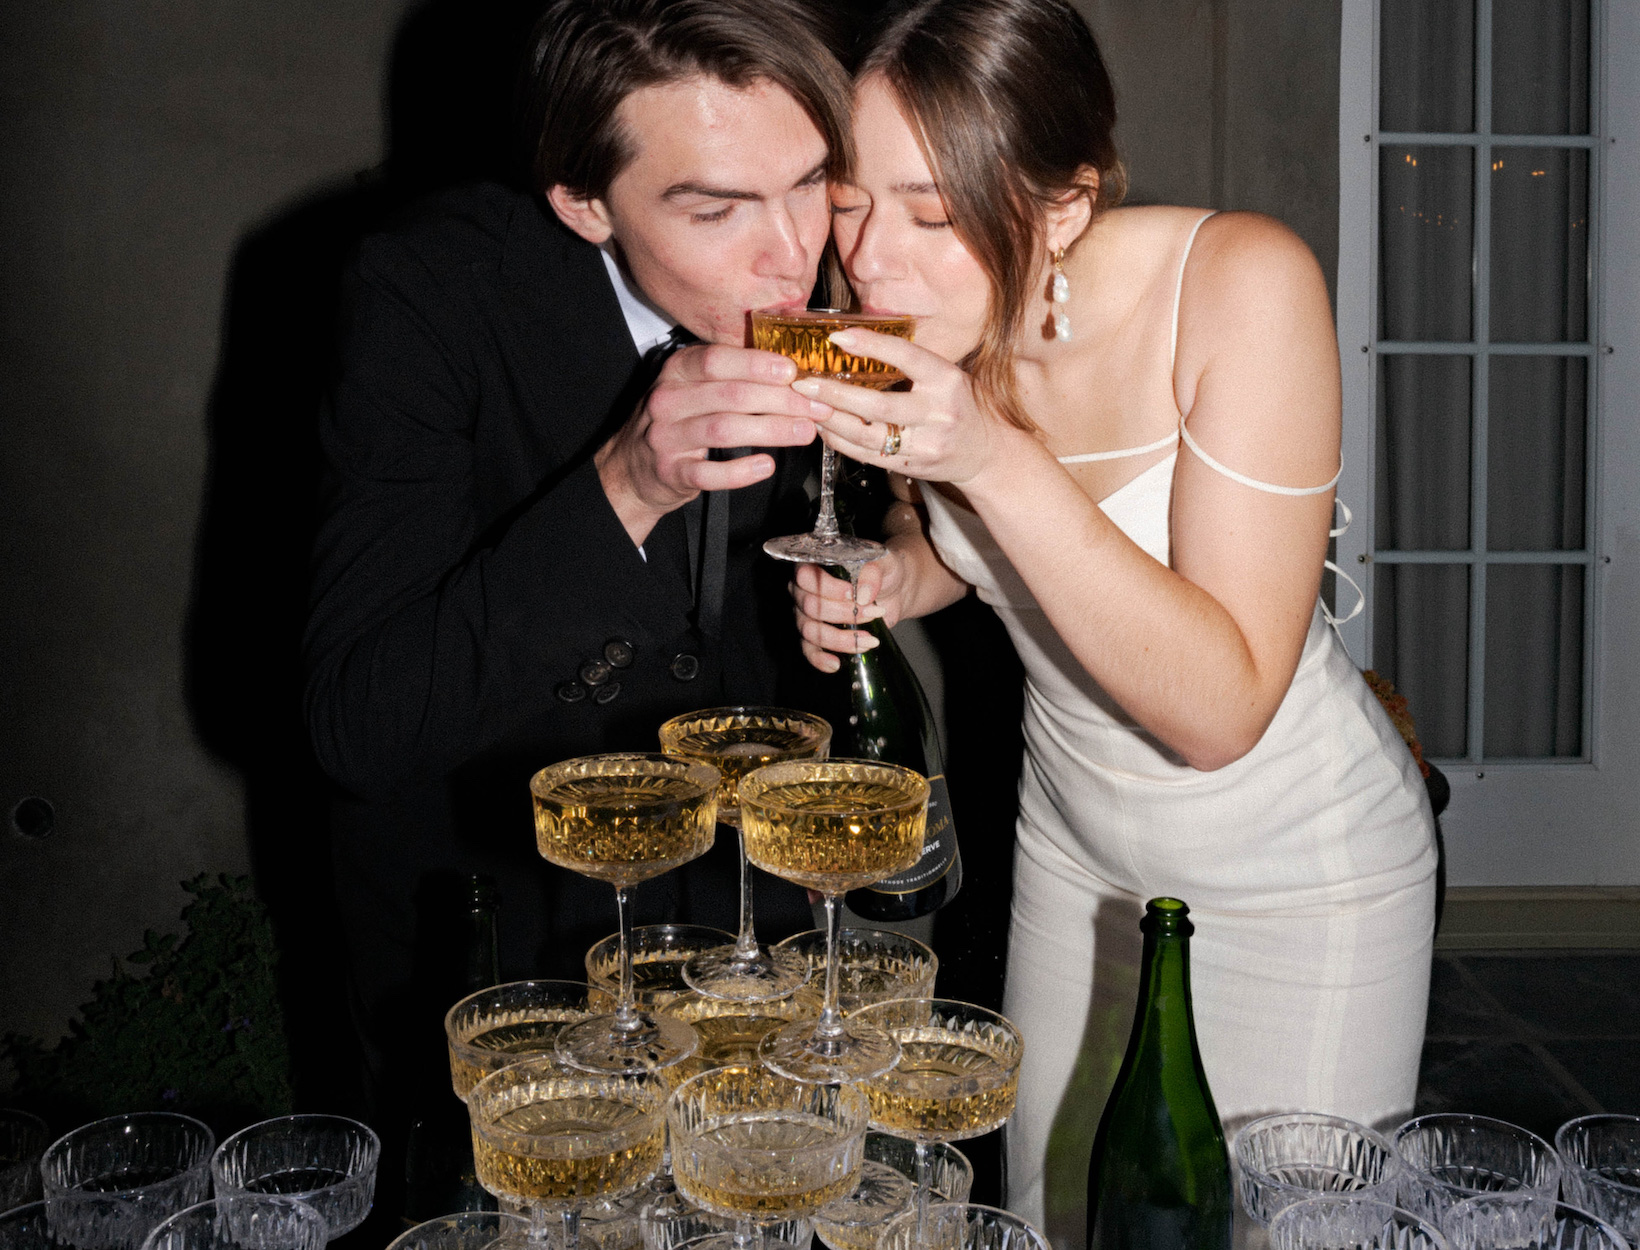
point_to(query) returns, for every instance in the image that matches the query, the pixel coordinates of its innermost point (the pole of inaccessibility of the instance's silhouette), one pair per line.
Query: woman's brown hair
(1013, 106)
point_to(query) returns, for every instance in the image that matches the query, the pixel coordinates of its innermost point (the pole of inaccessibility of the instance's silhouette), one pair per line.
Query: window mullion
(1482, 313)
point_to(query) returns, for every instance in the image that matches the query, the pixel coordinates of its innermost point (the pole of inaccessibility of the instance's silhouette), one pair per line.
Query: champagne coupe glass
(730, 1031)
(1352, 1222)
(156, 1161)
(805, 337)
(688, 1226)
(467, 1230)
(488, 1030)
(887, 1188)
(1451, 1156)
(659, 952)
(736, 740)
(752, 1146)
(23, 1139)
(958, 1075)
(1283, 1159)
(555, 1140)
(78, 1220)
(328, 1161)
(963, 1226)
(1527, 1222)
(874, 965)
(623, 819)
(832, 825)
(259, 1222)
(1601, 1154)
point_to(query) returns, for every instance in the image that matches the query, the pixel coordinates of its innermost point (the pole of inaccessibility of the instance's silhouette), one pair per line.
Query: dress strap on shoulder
(1268, 487)
(1178, 289)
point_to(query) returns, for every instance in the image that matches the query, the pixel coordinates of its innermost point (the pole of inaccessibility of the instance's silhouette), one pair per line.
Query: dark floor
(1534, 1038)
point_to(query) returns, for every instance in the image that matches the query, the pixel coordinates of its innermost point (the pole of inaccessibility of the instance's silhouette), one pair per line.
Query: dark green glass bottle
(1160, 1175)
(889, 719)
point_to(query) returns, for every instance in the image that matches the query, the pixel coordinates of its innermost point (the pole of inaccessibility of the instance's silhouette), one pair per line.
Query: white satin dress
(1308, 866)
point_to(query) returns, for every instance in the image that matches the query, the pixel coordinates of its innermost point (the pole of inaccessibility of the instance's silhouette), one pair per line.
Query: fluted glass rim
(1241, 1148)
(696, 773)
(370, 1142)
(755, 785)
(648, 1089)
(1386, 1210)
(1035, 1237)
(1559, 1211)
(53, 1154)
(853, 1111)
(304, 1212)
(1564, 1148)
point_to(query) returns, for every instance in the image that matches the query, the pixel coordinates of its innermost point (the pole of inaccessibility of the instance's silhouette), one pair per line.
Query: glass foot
(800, 1053)
(765, 977)
(596, 1045)
(813, 549)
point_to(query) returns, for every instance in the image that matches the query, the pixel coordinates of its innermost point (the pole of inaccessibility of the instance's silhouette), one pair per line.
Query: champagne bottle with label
(889, 719)
(1160, 1174)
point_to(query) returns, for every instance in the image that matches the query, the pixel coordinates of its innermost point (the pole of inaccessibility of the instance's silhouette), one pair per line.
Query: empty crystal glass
(467, 1230)
(23, 1139)
(685, 1226)
(961, 1226)
(1283, 1159)
(78, 1221)
(1601, 1157)
(260, 1222)
(874, 965)
(1521, 1221)
(1449, 1157)
(659, 952)
(1351, 1222)
(156, 1161)
(327, 1161)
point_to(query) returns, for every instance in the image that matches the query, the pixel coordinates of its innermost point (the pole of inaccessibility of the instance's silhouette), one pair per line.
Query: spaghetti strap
(1178, 290)
(1087, 457)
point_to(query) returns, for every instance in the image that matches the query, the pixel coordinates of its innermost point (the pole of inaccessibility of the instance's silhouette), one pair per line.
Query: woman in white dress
(1125, 427)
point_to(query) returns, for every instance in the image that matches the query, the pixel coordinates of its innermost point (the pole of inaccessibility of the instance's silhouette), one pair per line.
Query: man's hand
(705, 397)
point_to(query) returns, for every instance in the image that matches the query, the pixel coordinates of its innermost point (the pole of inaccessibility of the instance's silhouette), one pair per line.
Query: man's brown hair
(1013, 107)
(587, 56)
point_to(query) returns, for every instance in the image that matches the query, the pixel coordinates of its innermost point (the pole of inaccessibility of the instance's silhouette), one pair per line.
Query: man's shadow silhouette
(449, 99)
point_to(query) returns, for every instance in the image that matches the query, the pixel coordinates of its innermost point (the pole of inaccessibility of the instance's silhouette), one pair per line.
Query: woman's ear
(1069, 215)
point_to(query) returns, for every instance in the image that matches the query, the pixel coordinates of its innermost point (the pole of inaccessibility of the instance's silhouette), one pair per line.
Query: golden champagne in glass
(804, 337)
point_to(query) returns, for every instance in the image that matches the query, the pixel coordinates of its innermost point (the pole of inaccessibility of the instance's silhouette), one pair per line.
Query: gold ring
(891, 444)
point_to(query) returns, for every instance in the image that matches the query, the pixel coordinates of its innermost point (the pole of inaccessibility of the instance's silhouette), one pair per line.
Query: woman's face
(895, 239)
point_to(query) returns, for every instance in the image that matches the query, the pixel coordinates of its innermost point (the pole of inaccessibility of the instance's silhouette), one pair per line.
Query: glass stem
(746, 1235)
(830, 1025)
(924, 1186)
(627, 1019)
(538, 1223)
(572, 1228)
(825, 525)
(746, 943)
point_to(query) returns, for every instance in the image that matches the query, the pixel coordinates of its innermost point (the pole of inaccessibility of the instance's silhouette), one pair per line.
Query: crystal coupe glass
(736, 740)
(157, 1162)
(874, 965)
(623, 819)
(832, 825)
(248, 1222)
(1601, 1155)
(1450, 1157)
(488, 1030)
(1351, 1222)
(328, 1161)
(805, 337)
(1527, 1222)
(962, 1226)
(467, 1230)
(23, 1139)
(1283, 1159)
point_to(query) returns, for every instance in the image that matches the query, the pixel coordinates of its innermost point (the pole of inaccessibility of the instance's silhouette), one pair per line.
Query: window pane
(1423, 453)
(1540, 246)
(1427, 65)
(1425, 198)
(1540, 67)
(1534, 660)
(1536, 440)
(1421, 643)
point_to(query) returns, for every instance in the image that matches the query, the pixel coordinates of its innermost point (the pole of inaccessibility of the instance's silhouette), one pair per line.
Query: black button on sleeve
(572, 691)
(595, 672)
(606, 693)
(619, 653)
(685, 667)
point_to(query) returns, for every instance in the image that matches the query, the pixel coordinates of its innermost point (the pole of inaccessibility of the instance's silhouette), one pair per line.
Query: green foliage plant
(196, 1027)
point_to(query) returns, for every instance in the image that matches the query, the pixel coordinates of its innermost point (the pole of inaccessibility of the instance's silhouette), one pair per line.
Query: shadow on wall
(450, 76)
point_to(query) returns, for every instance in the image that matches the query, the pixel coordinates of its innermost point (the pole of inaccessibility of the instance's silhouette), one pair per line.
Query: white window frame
(1536, 822)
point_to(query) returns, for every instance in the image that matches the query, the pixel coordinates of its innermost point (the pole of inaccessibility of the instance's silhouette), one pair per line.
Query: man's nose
(786, 252)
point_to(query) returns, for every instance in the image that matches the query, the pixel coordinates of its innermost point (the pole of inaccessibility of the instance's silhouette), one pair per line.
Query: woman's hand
(826, 611)
(944, 436)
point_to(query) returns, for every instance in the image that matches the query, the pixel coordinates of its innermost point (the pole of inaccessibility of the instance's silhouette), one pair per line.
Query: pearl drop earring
(1061, 297)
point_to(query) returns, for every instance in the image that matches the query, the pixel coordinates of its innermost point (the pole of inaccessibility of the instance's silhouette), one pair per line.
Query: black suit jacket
(469, 565)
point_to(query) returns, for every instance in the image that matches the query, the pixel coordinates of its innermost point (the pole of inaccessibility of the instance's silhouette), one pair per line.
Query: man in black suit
(534, 547)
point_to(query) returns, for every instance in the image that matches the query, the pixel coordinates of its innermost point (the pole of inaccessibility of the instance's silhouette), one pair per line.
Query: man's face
(722, 208)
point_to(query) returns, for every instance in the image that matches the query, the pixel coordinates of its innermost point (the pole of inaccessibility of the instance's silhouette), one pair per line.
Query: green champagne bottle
(889, 719)
(1160, 1175)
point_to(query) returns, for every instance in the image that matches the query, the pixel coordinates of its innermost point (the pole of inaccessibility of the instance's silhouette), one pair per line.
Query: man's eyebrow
(915, 188)
(679, 190)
